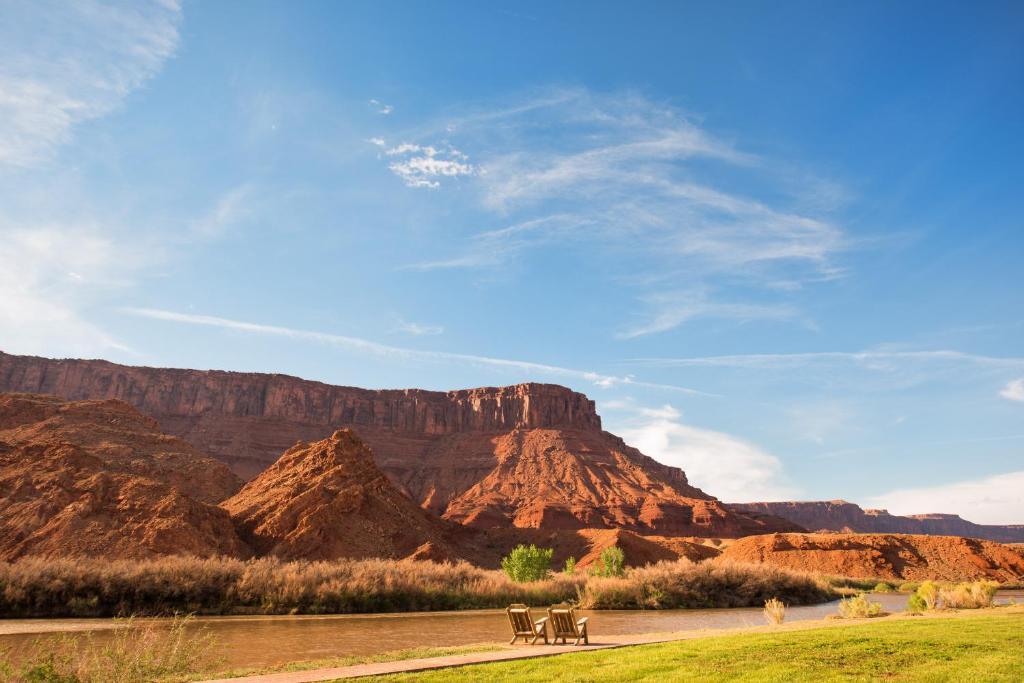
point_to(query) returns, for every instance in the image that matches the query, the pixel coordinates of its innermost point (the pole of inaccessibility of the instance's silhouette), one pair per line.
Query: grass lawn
(965, 647)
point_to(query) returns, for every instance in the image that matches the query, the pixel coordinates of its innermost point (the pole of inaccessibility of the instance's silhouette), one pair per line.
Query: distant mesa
(887, 556)
(839, 515)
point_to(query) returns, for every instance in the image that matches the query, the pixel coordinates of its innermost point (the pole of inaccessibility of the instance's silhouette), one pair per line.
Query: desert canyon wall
(524, 456)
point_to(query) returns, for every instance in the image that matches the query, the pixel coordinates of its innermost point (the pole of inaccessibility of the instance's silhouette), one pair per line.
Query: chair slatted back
(520, 619)
(563, 620)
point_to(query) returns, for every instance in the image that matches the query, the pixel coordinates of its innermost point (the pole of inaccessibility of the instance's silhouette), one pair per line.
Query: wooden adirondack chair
(564, 625)
(523, 625)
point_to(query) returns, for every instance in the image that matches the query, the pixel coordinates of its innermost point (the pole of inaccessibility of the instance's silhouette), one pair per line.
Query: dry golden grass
(136, 653)
(84, 587)
(774, 611)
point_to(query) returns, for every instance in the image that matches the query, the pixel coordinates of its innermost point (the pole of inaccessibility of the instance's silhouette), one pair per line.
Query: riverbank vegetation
(135, 652)
(982, 647)
(95, 588)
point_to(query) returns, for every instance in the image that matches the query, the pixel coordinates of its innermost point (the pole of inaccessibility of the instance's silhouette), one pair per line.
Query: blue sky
(780, 245)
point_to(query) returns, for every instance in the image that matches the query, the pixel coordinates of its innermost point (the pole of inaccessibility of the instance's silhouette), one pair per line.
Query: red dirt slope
(885, 556)
(97, 478)
(328, 500)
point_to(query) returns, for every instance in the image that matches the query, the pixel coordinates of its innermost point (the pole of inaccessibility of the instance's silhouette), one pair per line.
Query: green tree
(527, 563)
(570, 565)
(612, 562)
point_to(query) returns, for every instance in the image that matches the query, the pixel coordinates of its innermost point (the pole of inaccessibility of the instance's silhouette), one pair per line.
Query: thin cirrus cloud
(419, 329)
(672, 309)
(882, 368)
(367, 346)
(619, 174)
(65, 63)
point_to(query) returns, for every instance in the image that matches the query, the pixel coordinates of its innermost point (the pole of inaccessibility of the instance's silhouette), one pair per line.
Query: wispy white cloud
(65, 63)
(724, 465)
(424, 165)
(886, 368)
(375, 348)
(998, 499)
(672, 309)
(233, 206)
(620, 174)
(419, 329)
(879, 360)
(381, 108)
(1014, 390)
(492, 247)
(48, 275)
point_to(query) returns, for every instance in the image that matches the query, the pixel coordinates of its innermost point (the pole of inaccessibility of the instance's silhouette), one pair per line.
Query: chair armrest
(581, 621)
(540, 621)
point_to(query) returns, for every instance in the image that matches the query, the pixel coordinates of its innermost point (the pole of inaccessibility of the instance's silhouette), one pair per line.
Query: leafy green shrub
(570, 565)
(909, 587)
(883, 587)
(527, 563)
(916, 604)
(929, 592)
(859, 607)
(774, 611)
(612, 563)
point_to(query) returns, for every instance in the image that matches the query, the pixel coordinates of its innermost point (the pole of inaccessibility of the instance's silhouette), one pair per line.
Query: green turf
(971, 648)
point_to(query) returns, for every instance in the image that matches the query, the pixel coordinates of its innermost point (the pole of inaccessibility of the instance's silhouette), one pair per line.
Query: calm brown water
(271, 640)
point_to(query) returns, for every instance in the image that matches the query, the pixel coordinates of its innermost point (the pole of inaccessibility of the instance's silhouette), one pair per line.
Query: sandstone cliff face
(839, 515)
(249, 419)
(886, 556)
(328, 500)
(97, 478)
(527, 455)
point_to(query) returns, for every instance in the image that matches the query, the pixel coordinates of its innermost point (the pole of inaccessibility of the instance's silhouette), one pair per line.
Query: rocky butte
(524, 456)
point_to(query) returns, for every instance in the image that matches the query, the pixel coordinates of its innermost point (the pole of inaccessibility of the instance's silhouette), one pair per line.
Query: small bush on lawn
(929, 592)
(527, 563)
(859, 607)
(916, 604)
(774, 611)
